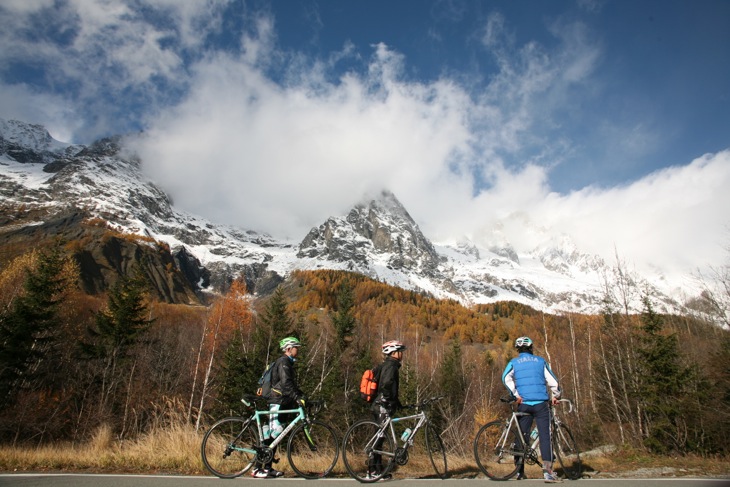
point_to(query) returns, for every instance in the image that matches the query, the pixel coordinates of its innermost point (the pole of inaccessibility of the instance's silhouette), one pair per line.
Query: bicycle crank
(265, 454)
(401, 456)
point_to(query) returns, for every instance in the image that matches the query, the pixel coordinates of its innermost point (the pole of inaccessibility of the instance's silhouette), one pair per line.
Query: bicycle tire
(567, 452)
(313, 449)
(436, 451)
(229, 447)
(495, 453)
(357, 447)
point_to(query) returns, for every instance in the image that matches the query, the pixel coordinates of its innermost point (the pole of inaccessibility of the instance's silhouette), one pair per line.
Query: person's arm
(552, 383)
(508, 379)
(289, 385)
(387, 380)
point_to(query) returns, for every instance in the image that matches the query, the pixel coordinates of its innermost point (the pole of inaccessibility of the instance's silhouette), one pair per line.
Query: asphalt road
(89, 480)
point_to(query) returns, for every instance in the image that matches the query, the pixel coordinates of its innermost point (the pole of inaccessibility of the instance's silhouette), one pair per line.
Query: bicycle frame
(531, 450)
(299, 417)
(422, 420)
(505, 437)
(258, 414)
(555, 423)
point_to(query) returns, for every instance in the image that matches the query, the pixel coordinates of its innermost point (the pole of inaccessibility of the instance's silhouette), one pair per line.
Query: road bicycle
(233, 445)
(500, 450)
(368, 442)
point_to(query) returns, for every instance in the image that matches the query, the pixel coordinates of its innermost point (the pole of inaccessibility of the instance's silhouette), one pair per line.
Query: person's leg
(375, 462)
(525, 426)
(542, 418)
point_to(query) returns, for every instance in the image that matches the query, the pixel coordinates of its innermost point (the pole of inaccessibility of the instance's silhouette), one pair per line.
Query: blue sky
(493, 120)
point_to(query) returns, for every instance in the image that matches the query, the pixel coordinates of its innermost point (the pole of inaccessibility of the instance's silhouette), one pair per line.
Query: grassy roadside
(176, 450)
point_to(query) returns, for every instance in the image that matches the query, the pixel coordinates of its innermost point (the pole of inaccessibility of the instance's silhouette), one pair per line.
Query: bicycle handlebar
(512, 399)
(423, 403)
(570, 404)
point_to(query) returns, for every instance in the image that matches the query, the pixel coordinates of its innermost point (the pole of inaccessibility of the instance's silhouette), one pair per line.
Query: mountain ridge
(377, 237)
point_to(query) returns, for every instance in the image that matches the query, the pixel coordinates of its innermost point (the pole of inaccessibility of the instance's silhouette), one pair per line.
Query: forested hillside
(72, 363)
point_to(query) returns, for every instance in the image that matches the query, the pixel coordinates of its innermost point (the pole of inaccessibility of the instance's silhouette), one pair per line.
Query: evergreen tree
(661, 383)
(28, 328)
(118, 329)
(452, 381)
(275, 324)
(343, 320)
(120, 325)
(238, 377)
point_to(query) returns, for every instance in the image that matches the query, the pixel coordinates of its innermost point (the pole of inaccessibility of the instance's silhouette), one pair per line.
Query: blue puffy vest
(529, 374)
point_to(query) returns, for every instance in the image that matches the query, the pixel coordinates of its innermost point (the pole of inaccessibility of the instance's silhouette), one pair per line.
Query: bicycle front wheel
(567, 453)
(313, 449)
(229, 447)
(367, 456)
(436, 451)
(498, 451)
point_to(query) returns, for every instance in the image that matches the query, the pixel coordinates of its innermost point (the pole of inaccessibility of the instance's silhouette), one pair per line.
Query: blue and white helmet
(523, 342)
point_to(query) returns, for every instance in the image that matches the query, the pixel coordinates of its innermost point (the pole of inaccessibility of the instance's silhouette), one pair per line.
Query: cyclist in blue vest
(530, 380)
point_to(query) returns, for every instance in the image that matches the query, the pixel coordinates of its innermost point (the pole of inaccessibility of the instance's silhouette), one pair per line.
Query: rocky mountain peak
(379, 227)
(41, 180)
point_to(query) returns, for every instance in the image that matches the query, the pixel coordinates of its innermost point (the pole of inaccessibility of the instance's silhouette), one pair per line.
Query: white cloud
(280, 153)
(20, 102)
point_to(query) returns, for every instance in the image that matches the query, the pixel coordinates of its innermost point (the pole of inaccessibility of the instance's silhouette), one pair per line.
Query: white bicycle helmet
(393, 346)
(523, 342)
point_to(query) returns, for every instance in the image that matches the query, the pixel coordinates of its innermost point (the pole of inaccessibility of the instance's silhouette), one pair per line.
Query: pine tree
(118, 329)
(120, 325)
(452, 381)
(275, 324)
(343, 320)
(238, 376)
(27, 329)
(661, 383)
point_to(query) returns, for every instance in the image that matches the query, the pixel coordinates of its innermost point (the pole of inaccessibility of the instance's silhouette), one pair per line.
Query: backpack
(264, 389)
(369, 384)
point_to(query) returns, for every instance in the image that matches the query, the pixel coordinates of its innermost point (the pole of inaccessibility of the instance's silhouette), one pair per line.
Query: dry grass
(176, 449)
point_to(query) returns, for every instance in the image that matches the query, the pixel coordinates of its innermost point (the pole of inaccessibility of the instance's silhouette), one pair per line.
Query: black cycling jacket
(388, 383)
(284, 387)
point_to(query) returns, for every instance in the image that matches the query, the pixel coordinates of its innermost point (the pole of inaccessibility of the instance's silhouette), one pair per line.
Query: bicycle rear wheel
(436, 451)
(498, 452)
(229, 447)
(313, 449)
(364, 454)
(567, 453)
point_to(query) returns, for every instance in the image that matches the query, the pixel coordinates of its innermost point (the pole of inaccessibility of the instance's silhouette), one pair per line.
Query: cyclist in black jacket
(285, 394)
(386, 401)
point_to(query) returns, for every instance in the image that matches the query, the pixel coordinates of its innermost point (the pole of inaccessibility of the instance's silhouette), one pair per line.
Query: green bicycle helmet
(289, 342)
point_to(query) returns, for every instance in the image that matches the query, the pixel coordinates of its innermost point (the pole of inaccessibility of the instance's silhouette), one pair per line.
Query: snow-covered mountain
(377, 237)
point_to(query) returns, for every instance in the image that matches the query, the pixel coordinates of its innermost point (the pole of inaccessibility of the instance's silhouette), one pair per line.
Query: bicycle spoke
(494, 451)
(228, 448)
(436, 451)
(567, 453)
(362, 452)
(313, 450)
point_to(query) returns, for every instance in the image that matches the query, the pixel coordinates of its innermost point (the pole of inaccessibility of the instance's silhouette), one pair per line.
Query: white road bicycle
(367, 439)
(500, 450)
